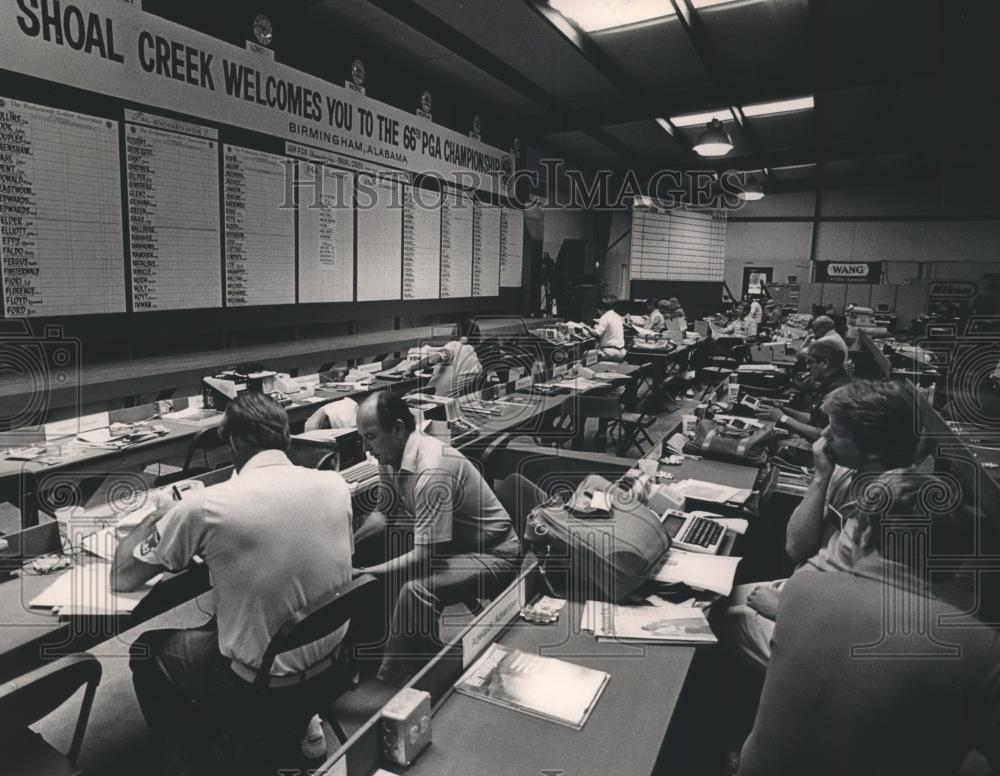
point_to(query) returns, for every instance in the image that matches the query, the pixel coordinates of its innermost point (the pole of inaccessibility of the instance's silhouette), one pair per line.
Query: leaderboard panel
(260, 230)
(486, 250)
(326, 233)
(511, 246)
(61, 242)
(379, 206)
(173, 206)
(457, 227)
(421, 243)
(207, 223)
(125, 191)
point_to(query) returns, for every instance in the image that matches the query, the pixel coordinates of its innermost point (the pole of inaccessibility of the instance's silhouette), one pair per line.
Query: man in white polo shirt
(610, 332)
(456, 367)
(276, 538)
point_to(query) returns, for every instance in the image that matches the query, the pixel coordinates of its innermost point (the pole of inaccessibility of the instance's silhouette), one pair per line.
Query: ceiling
(902, 89)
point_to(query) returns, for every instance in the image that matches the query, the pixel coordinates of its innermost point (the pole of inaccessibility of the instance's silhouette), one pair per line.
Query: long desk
(630, 722)
(530, 418)
(623, 735)
(98, 462)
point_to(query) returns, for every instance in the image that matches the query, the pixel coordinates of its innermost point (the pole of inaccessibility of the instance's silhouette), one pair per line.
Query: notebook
(543, 687)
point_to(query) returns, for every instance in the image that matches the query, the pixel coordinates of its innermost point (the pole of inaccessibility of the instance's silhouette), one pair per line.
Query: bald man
(463, 541)
(823, 329)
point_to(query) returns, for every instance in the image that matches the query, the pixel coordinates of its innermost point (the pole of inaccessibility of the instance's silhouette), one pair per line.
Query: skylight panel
(600, 15)
(700, 119)
(781, 106)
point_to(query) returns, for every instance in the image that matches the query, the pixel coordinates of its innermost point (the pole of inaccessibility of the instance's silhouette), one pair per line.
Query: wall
(562, 224)
(947, 231)
(614, 269)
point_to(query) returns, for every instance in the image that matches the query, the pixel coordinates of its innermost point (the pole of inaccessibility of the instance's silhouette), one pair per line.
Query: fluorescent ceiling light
(665, 126)
(781, 106)
(700, 119)
(597, 15)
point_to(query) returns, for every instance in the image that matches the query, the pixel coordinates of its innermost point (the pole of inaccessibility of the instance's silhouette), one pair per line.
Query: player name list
(60, 212)
(173, 206)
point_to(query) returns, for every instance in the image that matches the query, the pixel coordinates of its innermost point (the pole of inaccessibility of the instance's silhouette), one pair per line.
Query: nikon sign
(848, 272)
(952, 290)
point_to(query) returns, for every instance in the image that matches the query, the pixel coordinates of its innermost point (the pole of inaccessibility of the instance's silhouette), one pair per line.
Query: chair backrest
(41, 692)
(327, 463)
(321, 618)
(519, 496)
(205, 439)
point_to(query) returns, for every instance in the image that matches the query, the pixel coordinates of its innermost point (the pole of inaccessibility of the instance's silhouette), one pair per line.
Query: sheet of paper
(700, 571)
(600, 500)
(103, 543)
(85, 589)
(735, 524)
(706, 491)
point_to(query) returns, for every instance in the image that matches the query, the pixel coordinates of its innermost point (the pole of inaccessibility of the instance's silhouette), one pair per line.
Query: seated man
(897, 681)
(655, 320)
(463, 542)
(675, 312)
(456, 367)
(772, 314)
(822, 328)
(804, 415)
(275, 538)
(871, 430)
(742, 325)
(610, 332)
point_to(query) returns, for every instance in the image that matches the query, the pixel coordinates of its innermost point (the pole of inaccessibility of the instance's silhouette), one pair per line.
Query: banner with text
(848, 272)
(113, 48)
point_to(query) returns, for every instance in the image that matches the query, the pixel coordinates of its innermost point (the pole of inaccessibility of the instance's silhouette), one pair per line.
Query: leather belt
(286, 680)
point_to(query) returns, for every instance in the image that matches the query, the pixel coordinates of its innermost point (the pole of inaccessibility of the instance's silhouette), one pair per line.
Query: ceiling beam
(697, 35)
(800, 83)
(599, 60)
(973, 174)
(423, 22)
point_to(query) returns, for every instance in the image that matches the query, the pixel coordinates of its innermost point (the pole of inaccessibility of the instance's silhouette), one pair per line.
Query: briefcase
(596, 554)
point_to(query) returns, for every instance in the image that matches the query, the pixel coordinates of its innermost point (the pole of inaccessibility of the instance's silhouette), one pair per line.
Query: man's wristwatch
(783, 420)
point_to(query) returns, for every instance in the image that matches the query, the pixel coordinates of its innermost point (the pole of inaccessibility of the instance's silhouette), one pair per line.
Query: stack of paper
(664, 624)
(700, 490)
(700, 571)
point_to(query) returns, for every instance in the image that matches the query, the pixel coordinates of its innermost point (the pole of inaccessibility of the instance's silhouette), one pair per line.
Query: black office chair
(204, 440)
(34, 696)
(264, 723)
